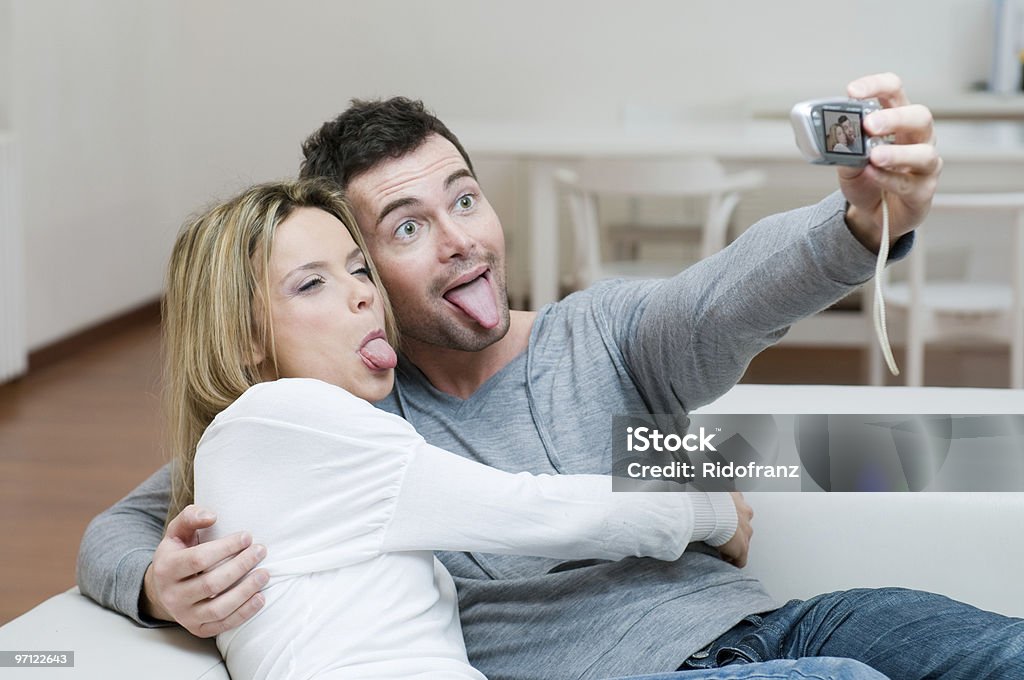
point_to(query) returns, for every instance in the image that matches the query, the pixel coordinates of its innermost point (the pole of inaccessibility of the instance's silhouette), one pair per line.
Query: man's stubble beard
(441, 328)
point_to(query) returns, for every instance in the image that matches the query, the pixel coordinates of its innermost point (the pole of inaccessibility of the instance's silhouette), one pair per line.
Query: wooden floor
(75, 436)
(80, 433)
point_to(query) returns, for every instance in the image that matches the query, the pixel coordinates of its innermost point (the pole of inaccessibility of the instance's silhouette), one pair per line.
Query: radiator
(13, 349)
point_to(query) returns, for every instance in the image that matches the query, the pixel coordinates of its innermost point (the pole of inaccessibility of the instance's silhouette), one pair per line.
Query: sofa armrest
(107, 646)
(963, 545)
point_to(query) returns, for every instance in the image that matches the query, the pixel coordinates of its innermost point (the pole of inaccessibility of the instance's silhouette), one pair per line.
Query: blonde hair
(833, 136)
(214, 315)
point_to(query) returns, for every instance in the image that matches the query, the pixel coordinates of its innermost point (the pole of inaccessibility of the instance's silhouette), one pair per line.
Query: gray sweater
(619, 347)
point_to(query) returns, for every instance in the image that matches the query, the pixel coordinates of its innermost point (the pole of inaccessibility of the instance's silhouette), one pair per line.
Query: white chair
(692, 178)
(967, 310)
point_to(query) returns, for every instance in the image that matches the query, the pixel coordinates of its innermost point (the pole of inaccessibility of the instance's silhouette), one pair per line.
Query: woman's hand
(735, 550)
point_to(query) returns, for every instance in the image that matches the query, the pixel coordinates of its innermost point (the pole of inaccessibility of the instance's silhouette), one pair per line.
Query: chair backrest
(697, 176)
(981, 210)
(639, 178)
(969, 310)
(586, 235)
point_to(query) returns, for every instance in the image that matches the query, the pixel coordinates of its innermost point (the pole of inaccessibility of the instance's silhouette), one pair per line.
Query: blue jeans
(901, 634)
(822, 668)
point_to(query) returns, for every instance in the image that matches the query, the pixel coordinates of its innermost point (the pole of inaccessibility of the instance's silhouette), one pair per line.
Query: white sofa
(965, 545)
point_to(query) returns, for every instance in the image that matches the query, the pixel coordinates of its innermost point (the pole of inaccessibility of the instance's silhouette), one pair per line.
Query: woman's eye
(363, 271)
(311, 284)
(466, 202)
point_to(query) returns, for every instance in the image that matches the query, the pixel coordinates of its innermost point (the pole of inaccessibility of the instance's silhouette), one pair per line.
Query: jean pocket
(726, 656)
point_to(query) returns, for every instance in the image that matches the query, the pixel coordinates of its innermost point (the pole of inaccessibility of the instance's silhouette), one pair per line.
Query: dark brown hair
(367, 133)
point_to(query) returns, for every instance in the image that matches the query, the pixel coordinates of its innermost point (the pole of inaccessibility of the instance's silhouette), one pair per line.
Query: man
(528, 391)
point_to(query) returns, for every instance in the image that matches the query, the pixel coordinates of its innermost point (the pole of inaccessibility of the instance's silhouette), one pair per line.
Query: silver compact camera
(831, 131)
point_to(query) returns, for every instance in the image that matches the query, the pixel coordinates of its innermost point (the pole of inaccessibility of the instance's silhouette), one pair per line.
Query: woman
(838, 139)
(276, 342)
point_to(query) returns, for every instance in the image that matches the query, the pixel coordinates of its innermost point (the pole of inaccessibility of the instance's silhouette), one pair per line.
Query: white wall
(86, 106)
(6, 57)
(133, 114)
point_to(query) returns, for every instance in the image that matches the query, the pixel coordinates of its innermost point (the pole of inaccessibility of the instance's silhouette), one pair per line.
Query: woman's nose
(363, 295)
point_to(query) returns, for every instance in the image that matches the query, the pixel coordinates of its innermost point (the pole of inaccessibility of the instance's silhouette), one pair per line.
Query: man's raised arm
(699, 330)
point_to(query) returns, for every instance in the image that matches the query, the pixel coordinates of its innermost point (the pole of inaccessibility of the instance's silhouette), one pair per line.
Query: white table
(979, 156)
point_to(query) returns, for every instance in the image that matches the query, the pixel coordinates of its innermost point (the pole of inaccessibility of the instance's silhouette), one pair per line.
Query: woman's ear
(260, 336)
(257, 355)
(258, 361)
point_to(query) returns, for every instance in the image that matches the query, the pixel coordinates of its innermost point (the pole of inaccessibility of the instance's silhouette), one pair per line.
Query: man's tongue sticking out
(476, 300)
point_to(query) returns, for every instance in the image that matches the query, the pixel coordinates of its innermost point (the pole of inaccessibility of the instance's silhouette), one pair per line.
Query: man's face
(848, 129)
(438, 246)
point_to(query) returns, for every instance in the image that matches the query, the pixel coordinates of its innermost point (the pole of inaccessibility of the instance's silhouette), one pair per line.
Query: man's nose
(454, 239)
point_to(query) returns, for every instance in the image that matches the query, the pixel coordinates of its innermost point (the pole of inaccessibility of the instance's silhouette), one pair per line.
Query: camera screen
(843, 133)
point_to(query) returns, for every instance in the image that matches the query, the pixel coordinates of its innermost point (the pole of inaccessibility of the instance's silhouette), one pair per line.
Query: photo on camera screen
(843, 133)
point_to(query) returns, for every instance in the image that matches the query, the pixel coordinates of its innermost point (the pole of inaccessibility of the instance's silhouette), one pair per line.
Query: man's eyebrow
(395, 205)
(456, 176)
(409, 200)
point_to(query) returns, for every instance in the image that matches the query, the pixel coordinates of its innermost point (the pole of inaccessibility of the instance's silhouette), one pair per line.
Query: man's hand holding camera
(906, 170)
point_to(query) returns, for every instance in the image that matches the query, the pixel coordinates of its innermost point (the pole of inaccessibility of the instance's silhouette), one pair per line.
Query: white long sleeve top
(350, 501)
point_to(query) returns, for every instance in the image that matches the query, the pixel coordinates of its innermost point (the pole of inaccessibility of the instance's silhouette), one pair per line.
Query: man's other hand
(207, 588)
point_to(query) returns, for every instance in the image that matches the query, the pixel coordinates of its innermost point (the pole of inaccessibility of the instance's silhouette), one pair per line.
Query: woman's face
(841, 137)
(327, 315)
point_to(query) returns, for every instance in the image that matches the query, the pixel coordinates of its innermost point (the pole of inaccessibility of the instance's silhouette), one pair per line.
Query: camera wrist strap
(878, 309)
